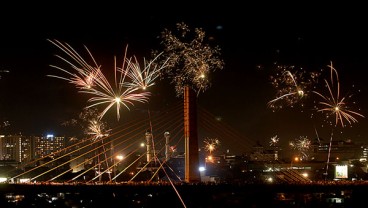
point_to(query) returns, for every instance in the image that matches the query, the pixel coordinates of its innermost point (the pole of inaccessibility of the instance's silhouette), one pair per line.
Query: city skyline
(251, 48)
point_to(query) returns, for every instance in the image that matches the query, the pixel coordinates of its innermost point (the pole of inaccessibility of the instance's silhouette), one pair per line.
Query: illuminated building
(15, 147)
(46, 145)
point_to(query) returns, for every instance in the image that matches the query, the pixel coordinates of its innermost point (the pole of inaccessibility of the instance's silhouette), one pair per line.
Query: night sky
(253, 40)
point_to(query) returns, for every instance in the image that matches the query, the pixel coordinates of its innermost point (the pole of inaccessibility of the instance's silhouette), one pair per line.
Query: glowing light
(210, 158)
(120, 157)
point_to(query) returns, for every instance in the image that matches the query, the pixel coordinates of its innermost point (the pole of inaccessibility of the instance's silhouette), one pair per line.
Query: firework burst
(97, 128)
(90, 80)
(211, 144)
(333, 104)
(302, 144)
(274, 141)
(143, 79)
(292, 85)
(189, 61)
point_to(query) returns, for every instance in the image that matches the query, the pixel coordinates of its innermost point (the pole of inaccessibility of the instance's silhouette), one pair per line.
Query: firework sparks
(84, 79)
(88, 120)
(92, 81)
(190, 62)
(97, 129)
(292, 86)
(142, 79)
(302, 144)
(83, 73)
(274, 141)
(334, 104)
(211, 144)
(114, 96)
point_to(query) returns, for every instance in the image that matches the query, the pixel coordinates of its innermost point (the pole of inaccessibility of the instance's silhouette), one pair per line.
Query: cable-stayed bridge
(136, 150)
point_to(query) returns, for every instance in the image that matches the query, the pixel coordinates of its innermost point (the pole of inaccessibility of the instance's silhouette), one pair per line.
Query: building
(338, 151)
(48, 145)
(16, 147)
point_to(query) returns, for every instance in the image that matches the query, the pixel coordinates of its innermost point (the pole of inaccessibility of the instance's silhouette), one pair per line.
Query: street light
(295, 159)
(118, 158)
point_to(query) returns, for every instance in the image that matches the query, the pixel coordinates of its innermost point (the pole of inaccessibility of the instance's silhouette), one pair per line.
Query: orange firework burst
(211, 144)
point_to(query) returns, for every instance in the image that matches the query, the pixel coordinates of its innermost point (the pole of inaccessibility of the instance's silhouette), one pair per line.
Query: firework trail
(319, 141)
(292, 86)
